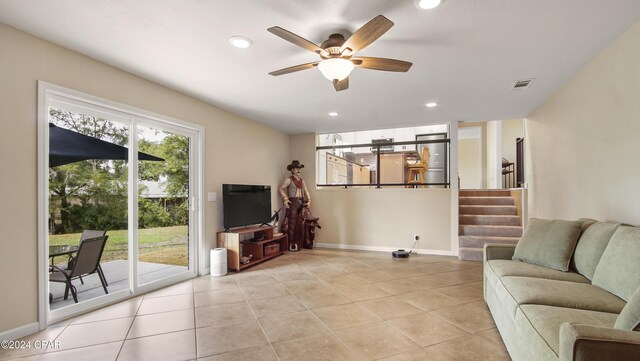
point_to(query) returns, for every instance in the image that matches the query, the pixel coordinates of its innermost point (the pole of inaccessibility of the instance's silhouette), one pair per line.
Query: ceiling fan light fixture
(241, 42)
(429, 4)
(335, 68)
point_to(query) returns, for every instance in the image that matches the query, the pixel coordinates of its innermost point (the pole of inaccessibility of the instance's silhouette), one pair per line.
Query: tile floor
(311, 305)
(117, 274)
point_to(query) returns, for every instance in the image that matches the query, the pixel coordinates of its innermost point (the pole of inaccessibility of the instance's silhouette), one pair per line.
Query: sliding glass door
(130, 174)
(88, 191)
(164, 212)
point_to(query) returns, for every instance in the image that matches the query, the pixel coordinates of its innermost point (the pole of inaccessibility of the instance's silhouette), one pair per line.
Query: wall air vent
(522, 84)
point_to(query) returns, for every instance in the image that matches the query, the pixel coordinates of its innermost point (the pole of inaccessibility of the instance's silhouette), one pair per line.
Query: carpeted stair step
(470, 254)
(486, 216)
(484, 193)
(490, 220)
(505, 201)
(498, 231)
(488, 210)
(479, 242)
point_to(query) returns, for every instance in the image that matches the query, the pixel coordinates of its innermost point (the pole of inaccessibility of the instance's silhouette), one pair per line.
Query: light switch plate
(211, 196)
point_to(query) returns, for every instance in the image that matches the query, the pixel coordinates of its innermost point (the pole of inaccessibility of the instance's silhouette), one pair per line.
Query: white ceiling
(466, 54)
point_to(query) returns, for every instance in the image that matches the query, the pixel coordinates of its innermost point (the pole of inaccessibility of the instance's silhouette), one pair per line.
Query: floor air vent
(522, 84)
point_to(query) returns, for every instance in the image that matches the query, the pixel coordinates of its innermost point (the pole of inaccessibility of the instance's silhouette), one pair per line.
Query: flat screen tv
(244, 205)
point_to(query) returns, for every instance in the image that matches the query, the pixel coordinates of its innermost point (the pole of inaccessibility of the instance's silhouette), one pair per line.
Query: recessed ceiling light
(431, 105)
(241, 42)
(429, 4)
(333, 114)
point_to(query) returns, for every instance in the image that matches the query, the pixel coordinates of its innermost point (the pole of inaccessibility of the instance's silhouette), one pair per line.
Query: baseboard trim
(19, 332)
(434, 252)
(205, 271)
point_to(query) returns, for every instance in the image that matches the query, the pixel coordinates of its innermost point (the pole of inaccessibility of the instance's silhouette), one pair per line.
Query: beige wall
(494, 164)
(469, 163)
(237, 150)
(483, 137)
(583, 141)
(375, 218)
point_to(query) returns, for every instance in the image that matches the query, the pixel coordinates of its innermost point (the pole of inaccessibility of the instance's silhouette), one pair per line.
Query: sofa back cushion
(548, 243)
(619, 268)
(629, 318)
(591, 245)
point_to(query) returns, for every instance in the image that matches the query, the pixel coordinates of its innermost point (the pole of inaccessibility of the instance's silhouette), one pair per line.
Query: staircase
(486, 216)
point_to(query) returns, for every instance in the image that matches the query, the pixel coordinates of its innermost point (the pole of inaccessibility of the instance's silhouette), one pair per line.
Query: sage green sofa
(569, 290)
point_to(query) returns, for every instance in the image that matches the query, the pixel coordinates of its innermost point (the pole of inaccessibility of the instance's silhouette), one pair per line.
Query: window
(401, 157)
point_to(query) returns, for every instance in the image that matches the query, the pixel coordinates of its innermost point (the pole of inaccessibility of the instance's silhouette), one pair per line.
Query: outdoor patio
(116, 273)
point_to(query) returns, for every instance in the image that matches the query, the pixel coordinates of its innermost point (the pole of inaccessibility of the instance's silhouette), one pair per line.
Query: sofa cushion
(538, 321)
(629, 318)
(591, 244)
(517, 268)
(619, 268)
(548, 243)
(526, 290)
(586, 223)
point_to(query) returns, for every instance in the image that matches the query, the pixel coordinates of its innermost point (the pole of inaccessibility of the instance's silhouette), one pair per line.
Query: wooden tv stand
(260, 242)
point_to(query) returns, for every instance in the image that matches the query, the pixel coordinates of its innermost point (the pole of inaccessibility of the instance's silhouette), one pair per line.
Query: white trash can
(218, 262)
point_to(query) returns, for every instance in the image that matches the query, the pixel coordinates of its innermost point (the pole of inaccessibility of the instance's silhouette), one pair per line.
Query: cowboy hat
(295, 164)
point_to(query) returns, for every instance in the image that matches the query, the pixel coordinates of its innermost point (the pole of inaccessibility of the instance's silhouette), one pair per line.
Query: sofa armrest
(498, 251)
(591, 343)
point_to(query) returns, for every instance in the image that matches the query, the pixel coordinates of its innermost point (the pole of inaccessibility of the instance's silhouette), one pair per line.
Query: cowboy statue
(295, 197)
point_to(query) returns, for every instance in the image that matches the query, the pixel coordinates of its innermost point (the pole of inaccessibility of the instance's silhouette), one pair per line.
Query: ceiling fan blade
(294, 68)
(367, 34)
(297, 40)
(382, 64)
(341, 84)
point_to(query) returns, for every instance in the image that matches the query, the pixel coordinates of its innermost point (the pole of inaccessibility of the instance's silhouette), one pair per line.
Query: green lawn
(167, 245)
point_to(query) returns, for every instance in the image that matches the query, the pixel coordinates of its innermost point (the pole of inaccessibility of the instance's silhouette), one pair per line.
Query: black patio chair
(86, 262)
(86, 234)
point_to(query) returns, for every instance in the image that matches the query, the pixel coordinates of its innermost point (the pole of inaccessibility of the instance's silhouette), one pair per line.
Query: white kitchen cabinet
(382, 134)
(360, 174)
(336, 170)
(363, 137)
(347, 138)
(404, 135)
(428, 129)
(322, 171)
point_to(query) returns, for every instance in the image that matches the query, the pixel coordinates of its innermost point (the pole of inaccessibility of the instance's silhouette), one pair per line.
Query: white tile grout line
(130, 326)
(264, 333)
(271, 272)
(195, 334)
(316, 316)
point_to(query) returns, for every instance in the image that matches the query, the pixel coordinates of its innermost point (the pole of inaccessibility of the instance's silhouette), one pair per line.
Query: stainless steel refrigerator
(438, 169)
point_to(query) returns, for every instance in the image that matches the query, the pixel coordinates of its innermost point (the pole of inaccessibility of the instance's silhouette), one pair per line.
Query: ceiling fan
(337, 53)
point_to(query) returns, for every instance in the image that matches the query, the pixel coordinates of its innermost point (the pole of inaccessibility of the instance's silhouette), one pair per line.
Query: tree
(175, 151)
(173, 173)
(91, 182)
(93, 193)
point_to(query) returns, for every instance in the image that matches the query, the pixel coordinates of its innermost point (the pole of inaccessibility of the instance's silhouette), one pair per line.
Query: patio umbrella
(67, 146)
